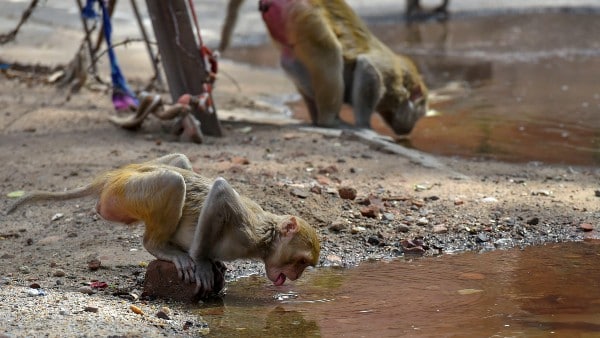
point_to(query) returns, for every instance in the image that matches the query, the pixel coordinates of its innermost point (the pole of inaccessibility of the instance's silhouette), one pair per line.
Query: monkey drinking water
(194, 222)
(333, 58)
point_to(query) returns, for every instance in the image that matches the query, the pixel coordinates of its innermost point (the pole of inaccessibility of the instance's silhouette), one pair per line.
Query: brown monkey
(194, 222)
(333, 58)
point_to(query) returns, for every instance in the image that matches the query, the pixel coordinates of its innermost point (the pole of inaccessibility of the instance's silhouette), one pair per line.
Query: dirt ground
(402, 207)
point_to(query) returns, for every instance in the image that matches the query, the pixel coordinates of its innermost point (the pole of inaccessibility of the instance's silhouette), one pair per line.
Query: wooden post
(180, 56)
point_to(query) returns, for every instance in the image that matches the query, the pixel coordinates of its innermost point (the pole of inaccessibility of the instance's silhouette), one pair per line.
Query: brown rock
(163, 282)
(347, 193)
(240, 160)
(94, 264)
(370, 211)
(586, 227)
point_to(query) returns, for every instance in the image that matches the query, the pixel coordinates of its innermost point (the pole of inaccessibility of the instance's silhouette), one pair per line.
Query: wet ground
(526, 90)
(549, 290)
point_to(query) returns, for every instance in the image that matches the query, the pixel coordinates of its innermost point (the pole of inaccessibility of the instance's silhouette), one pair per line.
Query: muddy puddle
(513, 87)
(551, 290)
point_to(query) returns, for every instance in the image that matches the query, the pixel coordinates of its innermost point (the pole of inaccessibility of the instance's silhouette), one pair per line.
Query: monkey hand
(204, 276)
(185, 267)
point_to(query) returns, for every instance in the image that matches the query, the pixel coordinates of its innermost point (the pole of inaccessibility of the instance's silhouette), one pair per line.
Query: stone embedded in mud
(162, 281)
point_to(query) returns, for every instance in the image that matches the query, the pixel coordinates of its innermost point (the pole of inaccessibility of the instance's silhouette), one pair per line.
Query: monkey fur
(333, 58)
(194, 222)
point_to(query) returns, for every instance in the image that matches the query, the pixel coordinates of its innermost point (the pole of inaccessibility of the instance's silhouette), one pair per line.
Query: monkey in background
(333, 58)
(194, 222)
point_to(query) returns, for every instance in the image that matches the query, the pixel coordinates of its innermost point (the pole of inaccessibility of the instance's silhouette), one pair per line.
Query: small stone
(422, 221)
(338, 226)
(402, 228)
(358, 229)
(481, 237)
(489, 200)
(541, 193)
(370, 211)
(35, 292)
(334, 260)
(458, 201)
(58, 273)
(163, 315)
(315, 189)
(323, 180)
(373, 240)
(347, 193)
(597, 193)
(86, 290)
(586, 227)
(300, 193)
(439, 229)
(57, 216)
(91, 309)
(35, 286)
(136, 310)
(24, 269)
(94, 264)
(388, 216)
(533, 221)
(63, 312)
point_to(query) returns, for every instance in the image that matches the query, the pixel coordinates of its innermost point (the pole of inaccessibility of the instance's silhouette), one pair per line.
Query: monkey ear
(289, 227)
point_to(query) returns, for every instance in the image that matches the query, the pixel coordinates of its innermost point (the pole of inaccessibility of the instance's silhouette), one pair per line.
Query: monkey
(333, 58)
(194, 222)
(186, 125)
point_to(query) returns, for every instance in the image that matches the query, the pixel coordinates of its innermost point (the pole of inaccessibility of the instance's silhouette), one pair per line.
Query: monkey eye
(303, 261)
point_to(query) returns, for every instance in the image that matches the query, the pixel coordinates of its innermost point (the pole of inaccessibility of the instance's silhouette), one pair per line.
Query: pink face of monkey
(274, 14)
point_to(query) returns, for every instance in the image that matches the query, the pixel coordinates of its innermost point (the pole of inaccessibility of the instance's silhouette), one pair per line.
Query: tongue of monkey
(280, 280)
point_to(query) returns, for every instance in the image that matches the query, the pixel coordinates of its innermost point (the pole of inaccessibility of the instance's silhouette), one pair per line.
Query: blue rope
(123, 98)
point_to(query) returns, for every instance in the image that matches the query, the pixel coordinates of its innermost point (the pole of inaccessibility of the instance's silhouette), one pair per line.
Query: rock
(541, 193)
(162, 281)
(24, 269)
(403, 228)
(91, 309)
(422, 221)
(458, 201)
(58, 273)
(482, 238)
(162, 315)
(240, 160)
(338, 226)
(489, 199)
(388, 216)
(370, 211)
(597, 193)
(439, 229)
(586, 227)
(94, 264)
(57, 216)
(136, 310)
(356, 230)
(299, 193)
(334, 260)
(323, 180)
(86, 290)
(533, 221)
(315, 189)
(35, 292)
(347, 193)
(373, 240)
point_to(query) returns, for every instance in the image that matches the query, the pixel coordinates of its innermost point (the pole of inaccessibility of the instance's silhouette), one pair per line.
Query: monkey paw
(204, 276)
(185, 268)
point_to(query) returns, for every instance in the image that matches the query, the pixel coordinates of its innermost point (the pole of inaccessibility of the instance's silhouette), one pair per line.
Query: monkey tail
(38, 196)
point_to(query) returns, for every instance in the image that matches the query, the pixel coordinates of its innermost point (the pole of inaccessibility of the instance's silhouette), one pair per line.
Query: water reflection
(538, 291)
(516, 87)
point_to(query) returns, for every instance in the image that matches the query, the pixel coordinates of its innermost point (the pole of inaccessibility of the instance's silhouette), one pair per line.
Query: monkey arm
(217, 236)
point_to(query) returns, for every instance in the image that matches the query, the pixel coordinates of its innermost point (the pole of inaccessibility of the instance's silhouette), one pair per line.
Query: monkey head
(295, 248)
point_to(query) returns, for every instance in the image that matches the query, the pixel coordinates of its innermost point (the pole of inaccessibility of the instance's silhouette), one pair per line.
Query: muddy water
(551, 290)
(515, 87)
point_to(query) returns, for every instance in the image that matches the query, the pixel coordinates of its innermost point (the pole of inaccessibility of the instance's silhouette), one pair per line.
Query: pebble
(541, 193)
(58, 273)
(586, 227)
(94, 264)
(162, 315)
(347, 193)
(422, 221)
(334, 260)
(373, 240)
(533, 221)
(338, 226)
(299, 193)
(357, 229)
(136, 310)
(489, 199)
(388, 216)
(35, 292)
(439, 229)
(86, 290)
(597, 193)
(402, 228)
(24, 269)
(91, 309)
(57, 216)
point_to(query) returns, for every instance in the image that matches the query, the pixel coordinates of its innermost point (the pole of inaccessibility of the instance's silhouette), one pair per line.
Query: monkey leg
(367, 89)
(149, 104)
(156, 197)
(175, 160)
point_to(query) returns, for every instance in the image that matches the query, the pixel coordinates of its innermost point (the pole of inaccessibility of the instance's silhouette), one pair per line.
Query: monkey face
(292, 268)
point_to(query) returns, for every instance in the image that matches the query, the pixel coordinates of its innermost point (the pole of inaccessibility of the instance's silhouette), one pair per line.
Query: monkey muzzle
(263, 6)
